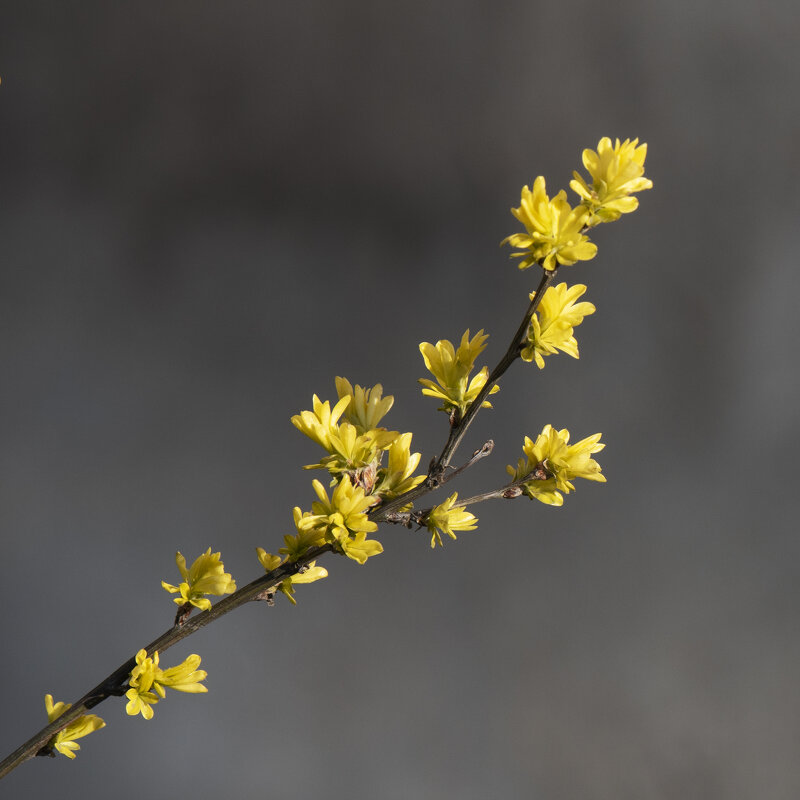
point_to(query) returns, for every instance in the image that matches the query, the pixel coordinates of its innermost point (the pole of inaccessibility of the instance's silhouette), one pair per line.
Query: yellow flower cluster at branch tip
(206, 576)
(552, 326)
(451, 368)
(147, 682)
(553, 229)
(448, 518)
(310, 574)
(64, 741)
(552, 463)
(617, 171)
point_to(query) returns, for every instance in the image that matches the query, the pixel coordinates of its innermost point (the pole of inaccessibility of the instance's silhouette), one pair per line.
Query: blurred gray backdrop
(208, 210)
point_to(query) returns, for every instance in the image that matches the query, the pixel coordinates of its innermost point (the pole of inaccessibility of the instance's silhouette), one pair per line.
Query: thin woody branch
(112, 685)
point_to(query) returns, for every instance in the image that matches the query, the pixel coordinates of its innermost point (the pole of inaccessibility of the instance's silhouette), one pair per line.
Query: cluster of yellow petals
(551, 463)
(552, 326)
(452, 367)
(206, 576)
(148, 681)
(310, 573)
(64, 741)
(448, 517)
(555, 231)
(617, 172)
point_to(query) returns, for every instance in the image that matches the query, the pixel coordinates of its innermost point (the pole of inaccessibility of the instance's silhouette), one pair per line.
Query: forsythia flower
(206, 576)
(64, 740)
(451, 368)
(353, 448)
(553, 229)
(313, 573)
(320, 423)
(617, 171)
(398, 477)
(310, 574)
(310, 533)
(552, 326)
(367, 406)
(551, 463)
(148, 680)
(448, 518)
(344, 519)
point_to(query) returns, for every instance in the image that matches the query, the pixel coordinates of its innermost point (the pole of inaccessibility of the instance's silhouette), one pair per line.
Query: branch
(437, 473)
(113, 684)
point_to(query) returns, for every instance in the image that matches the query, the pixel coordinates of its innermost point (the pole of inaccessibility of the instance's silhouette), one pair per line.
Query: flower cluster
(452, 367)
(64, 741)
(148, 681)
(551, 463)
(308, 574)
(553, 323)
(555, 231)
(355, 444)
(206, 576)
(448, 518)
(617, 172)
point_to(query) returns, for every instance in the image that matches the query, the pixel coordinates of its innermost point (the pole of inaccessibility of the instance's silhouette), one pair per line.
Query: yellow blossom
(185, 677)
(343, 518)
(309, 575)
(553, 229)
(552, 326)
(64, 741)
(353, 452)
(206, 576)
(310, 533)
(352, 447)
(551, 463)
(321, 422)
(447, 518)
(267, 560)
(451, 368)
(398, 477)
(147, 682)
(367, 406)
(617, 171)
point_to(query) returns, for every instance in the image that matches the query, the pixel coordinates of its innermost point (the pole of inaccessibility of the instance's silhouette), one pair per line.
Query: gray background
(208, 210)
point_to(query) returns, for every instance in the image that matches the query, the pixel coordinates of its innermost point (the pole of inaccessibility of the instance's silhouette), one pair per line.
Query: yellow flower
(367, 406)
(353, 448)
(398, 477)
(309, 575)
(147, 682)
(553, 229)
(617, 171)
(321, 422)
(451, 368)
(551, 463)
(267, 560)
(185, 677)
(448, 518)
(206, 576)
(552, 326)
(351, 452)
(344, 519)
(64, 741)
(310, 533)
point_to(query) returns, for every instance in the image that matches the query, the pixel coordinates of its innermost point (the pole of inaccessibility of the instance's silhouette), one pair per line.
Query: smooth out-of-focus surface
(208, 210)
